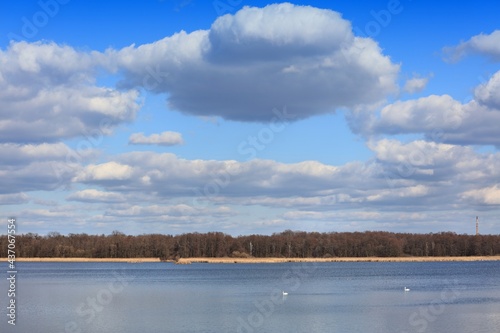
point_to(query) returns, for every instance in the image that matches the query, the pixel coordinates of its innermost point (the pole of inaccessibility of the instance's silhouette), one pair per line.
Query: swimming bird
(285, 293)
(407, 289)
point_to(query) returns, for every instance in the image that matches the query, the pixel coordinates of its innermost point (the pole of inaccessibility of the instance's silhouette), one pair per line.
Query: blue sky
(249, 116)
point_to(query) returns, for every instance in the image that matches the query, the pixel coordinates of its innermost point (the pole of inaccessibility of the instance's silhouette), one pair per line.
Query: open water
(453, 297)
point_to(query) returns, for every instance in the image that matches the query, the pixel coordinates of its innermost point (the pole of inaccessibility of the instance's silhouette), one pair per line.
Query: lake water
(328, 297)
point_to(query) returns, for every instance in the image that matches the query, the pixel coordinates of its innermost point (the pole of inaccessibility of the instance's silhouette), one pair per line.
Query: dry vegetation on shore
(228, 260)
(129, 260)
(357, 259)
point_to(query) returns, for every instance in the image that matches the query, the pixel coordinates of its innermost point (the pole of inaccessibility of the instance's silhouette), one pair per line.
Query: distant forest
(287, 244)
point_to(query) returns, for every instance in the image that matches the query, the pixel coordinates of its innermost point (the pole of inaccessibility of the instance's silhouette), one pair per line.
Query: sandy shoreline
(227, 260)
(130, 260)
(357, 259)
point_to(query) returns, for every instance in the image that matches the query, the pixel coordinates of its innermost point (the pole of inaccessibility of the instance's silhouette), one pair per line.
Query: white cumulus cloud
(259, 59)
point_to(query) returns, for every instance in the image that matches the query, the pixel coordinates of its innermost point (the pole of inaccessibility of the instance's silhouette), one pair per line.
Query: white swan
(285, 293)
(407, 289)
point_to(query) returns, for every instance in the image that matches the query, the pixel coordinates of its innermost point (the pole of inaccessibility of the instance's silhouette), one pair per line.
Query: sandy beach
(227, 260)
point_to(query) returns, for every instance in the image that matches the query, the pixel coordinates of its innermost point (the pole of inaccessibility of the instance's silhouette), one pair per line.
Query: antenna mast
(477, 225)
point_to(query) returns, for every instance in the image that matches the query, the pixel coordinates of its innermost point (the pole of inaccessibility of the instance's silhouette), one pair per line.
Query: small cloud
(416, 84)
(290, 69)
(14, 199)
(162, 139)
(486, 196)
(95, 196)
(110, 171)
(488, 45)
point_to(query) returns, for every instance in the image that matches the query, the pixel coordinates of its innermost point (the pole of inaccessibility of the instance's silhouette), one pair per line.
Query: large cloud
(249, 63)
(47, 94)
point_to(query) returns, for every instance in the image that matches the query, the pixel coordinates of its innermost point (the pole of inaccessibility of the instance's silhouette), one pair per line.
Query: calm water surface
(328, 297)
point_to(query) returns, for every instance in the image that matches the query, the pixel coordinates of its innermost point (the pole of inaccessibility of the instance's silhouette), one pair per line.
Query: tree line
(287, 244)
